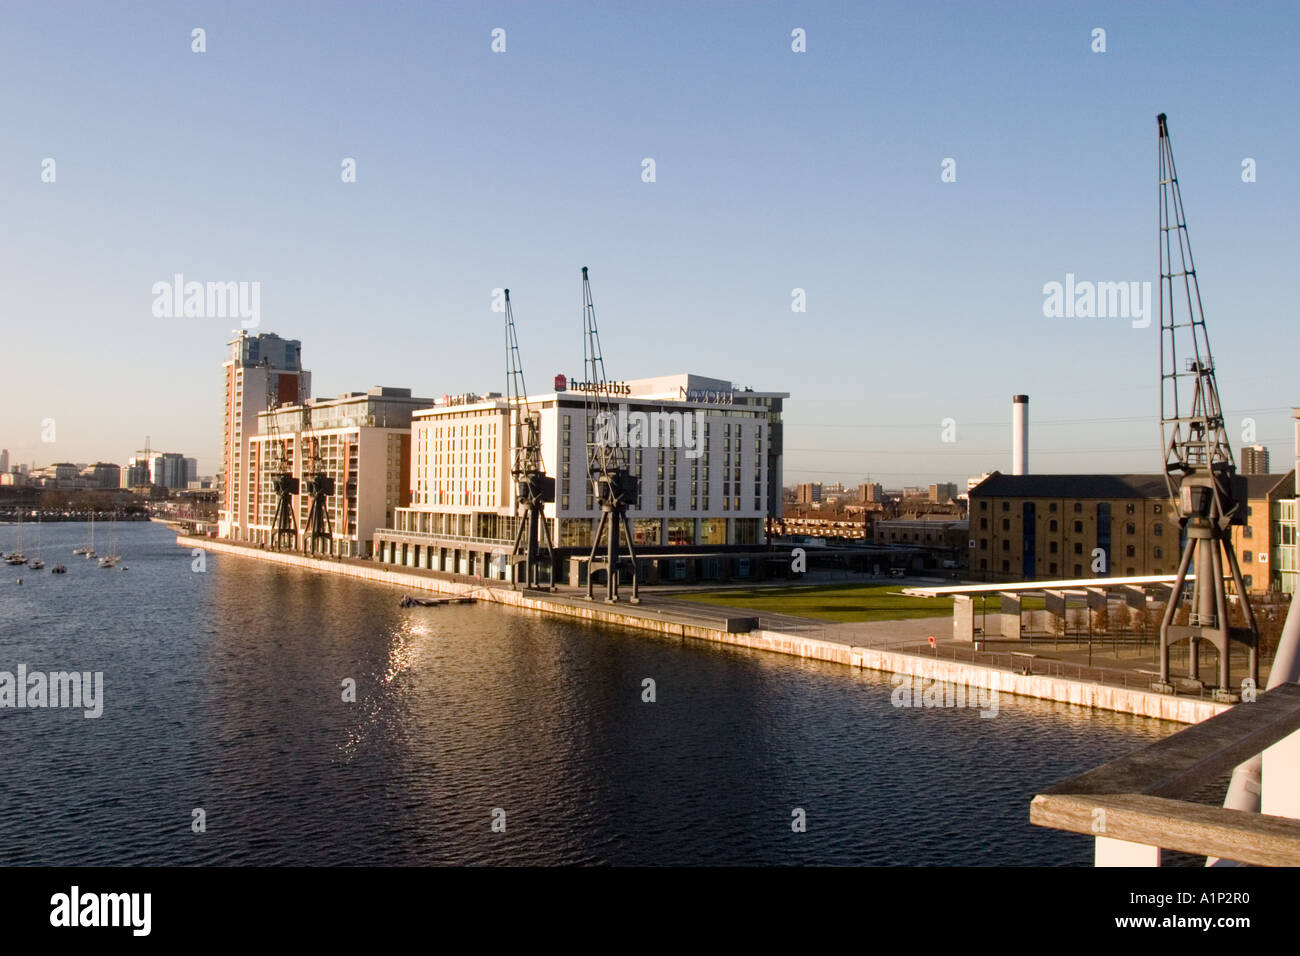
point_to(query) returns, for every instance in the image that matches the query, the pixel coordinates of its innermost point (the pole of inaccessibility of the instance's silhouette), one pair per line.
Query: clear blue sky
(775, 170)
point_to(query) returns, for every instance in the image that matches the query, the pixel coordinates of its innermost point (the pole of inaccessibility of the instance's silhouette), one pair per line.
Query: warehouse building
(1028, 527)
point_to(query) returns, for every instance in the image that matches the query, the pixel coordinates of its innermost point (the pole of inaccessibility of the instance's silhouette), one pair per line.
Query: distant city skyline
(775, 173)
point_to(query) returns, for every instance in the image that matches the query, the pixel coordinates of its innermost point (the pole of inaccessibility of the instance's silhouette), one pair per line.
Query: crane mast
(534, 489)
(284, 526)
(613, 485)
(1199, 465)
(318, 533)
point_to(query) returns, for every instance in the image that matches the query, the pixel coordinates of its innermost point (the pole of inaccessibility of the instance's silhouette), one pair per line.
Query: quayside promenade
(896, 647)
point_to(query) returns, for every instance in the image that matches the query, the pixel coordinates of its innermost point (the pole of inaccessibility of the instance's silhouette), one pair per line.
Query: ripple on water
(223, 691)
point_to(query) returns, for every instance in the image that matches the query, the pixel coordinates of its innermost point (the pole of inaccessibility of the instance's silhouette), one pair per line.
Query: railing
(1133, 807)
(1020, 662)
(426, 537)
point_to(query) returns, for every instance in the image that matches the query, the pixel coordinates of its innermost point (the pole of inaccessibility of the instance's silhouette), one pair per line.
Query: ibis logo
(1098, 300)
(561, 383)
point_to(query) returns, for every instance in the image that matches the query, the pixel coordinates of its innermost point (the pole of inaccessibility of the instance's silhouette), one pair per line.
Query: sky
(774, 170)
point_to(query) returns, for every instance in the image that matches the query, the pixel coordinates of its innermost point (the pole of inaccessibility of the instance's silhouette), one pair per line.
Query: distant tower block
(1019, 434)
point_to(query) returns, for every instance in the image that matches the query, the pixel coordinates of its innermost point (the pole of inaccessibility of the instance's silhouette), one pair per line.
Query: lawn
(831, 602)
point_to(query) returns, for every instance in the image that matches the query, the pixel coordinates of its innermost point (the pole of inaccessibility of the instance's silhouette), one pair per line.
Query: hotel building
(712, 490)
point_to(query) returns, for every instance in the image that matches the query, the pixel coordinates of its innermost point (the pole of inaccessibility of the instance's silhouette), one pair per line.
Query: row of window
(1053, 525)
(1129, 508)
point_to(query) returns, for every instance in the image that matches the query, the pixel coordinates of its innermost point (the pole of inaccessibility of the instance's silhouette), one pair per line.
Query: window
(1155, 509)
(1130, 527)
(1078, 527)
(1158, 552)
(984, 564)
(1159, 529)
(1052, 547)
(1130, 552)
(1006, 565)
(984, 544)
(1248, 580)
(1051, 525)
(1006, 506)
(1052, 507)
(1006, 545)
(1246, 556)
(1129, 509)
(1006, 524)
(1248, 532)
(1078, 570)
(984, 506)
(984, 524)
(1051, 568)
(1078, 547)
(1078, 507)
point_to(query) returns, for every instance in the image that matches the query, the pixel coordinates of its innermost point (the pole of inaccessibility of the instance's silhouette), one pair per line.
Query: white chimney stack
(1019, 434)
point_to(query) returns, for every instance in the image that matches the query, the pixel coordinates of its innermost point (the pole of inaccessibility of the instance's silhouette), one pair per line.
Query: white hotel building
(710, 493)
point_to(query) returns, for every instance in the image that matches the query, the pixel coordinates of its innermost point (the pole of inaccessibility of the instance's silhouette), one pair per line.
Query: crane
(320, 486)
(534, 489)
(1199, 465)
(614, 486)
(283, 483)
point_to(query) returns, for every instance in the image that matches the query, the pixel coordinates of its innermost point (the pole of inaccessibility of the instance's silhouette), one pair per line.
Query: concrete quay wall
(1187, 710)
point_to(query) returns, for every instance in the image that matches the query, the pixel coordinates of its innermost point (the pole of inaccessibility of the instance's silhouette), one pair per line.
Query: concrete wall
(1186, 710)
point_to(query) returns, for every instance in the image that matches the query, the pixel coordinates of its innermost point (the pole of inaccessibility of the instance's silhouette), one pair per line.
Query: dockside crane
(318, 533)
(614, 486)
(1199, 465)
(534, 489)
(283, 483)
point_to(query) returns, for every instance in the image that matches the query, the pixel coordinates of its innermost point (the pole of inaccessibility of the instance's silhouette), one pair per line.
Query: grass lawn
(832, 602)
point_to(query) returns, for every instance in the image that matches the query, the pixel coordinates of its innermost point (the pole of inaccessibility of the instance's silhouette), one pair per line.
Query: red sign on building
(561, 383)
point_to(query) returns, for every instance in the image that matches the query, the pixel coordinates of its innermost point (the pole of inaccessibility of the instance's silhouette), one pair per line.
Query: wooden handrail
(1135, 797)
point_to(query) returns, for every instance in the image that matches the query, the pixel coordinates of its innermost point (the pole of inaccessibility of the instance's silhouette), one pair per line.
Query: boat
(58, 569)
(112, 558)
(85, 549)
(16, 556)
(408, 601)
(36, 563)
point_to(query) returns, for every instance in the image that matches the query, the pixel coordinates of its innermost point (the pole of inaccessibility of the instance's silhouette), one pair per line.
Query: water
(223, 692)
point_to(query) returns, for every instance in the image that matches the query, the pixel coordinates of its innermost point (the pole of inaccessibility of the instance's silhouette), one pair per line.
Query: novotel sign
(706, 396)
